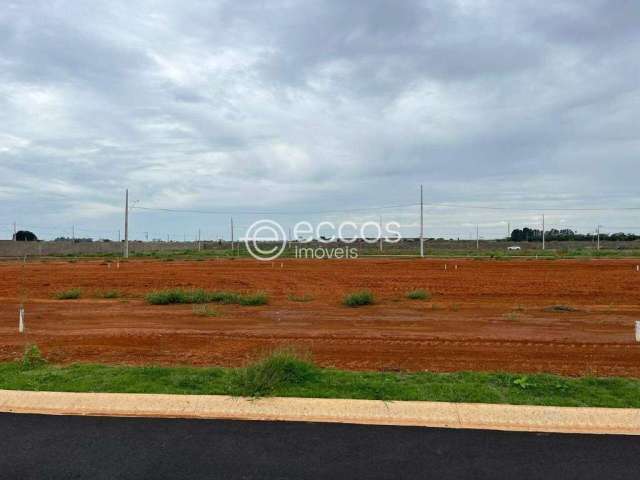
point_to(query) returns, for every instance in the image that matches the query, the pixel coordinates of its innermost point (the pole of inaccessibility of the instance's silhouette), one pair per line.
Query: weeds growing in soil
(357, 299)
(419, 294)
(32, 357)
(204, 311)
(72, 294)
(110, 294)
(253, 299)
(280, 369)
(560, 308)
(172, 296)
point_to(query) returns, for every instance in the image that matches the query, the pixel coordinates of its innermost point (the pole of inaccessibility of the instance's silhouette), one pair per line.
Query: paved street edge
(369, 412)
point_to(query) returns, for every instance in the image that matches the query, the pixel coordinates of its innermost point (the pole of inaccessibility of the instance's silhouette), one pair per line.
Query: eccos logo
(266, 239)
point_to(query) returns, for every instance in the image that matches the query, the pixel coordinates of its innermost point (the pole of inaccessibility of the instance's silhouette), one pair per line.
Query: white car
(514, 247)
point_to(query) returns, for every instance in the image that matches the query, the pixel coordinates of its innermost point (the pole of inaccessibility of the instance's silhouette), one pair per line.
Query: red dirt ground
(484, 315)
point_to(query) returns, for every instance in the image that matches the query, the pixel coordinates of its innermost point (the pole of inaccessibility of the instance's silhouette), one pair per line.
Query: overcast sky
(307, 106)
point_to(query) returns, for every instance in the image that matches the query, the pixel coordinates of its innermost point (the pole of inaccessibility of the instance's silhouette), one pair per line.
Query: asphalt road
(46, 447)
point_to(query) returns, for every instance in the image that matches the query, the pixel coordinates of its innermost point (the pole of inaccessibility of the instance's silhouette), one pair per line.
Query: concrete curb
(370, 412)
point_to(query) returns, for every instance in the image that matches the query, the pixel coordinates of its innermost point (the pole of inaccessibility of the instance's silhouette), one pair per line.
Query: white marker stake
(637, 331)
(21, 322)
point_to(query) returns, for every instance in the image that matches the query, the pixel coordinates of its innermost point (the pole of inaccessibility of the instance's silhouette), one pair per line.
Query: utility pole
(543, 244)
(508, 230)
(477, 237)
(598, 230)
(380, 229)
(231, 235)
(126, 223)
(421, 223)
(73, 233)
(199, 244)
(15, 231)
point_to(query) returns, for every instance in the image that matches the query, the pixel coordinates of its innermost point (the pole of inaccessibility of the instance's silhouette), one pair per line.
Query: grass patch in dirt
(180, 296)
(358, 299)
(204, 311)
(110, 294)
(287, 374)
(71, 294)
(32, 357)
(419, 294)
(561, 308)
(280, 369)
(253, 299)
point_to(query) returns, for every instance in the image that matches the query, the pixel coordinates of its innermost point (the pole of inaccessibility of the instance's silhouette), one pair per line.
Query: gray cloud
(294, 106)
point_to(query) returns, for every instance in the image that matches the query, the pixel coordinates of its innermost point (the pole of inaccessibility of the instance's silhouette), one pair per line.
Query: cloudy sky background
(290, 107)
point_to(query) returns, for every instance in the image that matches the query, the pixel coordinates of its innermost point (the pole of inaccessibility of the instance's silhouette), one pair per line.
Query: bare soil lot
(484, 315)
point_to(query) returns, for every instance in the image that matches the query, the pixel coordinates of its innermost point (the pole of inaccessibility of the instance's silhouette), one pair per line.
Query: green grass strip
(291, 377)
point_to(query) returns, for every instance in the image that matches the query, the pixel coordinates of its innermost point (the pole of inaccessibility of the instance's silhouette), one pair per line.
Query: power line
(406, 205)
(262, 212)
(534, 209)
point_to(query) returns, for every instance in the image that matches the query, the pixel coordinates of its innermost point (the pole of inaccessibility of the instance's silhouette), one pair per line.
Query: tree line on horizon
(534, 235)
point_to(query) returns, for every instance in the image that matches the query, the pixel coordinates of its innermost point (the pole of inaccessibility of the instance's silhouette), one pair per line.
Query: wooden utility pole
(232, 244)
(421, 223)
(126, 224)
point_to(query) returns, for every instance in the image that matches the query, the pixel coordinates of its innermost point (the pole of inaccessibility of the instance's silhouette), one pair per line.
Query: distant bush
(357, 299)
(25, 236)
(418, 295)
(72, 294)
